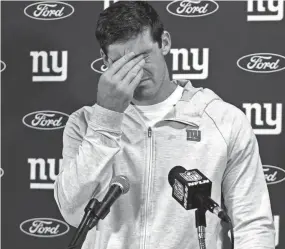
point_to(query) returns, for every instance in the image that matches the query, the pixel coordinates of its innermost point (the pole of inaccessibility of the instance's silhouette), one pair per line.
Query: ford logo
(98, 66)
(192, 8)
(273, 174)
(2, 66)
(45, 120)
(262, 63)
(44, 227)
(49, 10)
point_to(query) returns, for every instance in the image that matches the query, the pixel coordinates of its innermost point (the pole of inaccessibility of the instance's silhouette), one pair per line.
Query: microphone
(96, 210)
(118, 186)
(192, 189)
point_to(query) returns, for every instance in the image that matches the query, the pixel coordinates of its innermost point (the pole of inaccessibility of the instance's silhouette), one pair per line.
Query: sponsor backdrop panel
(50, 67)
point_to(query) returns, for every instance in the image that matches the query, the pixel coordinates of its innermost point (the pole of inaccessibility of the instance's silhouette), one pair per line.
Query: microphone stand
(96, 210)
(89, 220)
(200, 215)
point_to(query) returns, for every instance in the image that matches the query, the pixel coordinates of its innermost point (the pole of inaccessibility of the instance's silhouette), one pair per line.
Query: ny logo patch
(193, 135)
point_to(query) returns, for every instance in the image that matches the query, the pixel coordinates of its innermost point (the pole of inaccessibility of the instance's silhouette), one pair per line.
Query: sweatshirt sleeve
(244, 189)
(88, 154)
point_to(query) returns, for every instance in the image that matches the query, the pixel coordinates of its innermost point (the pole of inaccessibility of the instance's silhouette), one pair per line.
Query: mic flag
(186, 184)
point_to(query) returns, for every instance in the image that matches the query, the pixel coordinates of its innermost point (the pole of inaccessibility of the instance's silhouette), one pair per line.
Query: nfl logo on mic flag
(186, 184)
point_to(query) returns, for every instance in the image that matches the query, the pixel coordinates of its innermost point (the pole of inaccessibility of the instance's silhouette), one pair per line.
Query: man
(141, 126)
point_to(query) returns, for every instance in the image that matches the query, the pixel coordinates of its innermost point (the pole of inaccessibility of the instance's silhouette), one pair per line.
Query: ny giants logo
(44, 227)
(43, 172)
(42, 72)
(49, 10)
(187, 63)
(193, 135)
(45, 120)
(262, 63)
(265, 10)
(191, 64)
(261, 118)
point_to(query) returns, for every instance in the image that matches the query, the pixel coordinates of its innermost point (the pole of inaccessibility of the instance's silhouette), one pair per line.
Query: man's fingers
(121, 74)
(134, 72)
(116, 66)
(110, 62)
(137, 79)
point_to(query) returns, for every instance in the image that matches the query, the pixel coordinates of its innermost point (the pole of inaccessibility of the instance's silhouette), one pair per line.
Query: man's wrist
(106, 118)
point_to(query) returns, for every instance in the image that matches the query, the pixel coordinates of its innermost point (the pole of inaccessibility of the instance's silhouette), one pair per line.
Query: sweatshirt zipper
(149, 131)
(149, 134)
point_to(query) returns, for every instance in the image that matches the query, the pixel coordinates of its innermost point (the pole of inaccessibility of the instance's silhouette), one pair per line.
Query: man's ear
(104, 57)
(165, 42)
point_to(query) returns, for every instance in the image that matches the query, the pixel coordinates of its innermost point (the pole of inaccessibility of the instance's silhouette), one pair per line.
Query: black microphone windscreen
(173, 172)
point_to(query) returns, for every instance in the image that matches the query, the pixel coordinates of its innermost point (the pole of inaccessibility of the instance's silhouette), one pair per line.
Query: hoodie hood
(192, 104)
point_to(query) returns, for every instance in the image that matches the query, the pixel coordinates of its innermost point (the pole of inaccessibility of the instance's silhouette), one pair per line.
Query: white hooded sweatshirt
(200, 132)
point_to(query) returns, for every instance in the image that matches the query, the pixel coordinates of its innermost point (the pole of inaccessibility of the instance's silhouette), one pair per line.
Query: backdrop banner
(50, 67)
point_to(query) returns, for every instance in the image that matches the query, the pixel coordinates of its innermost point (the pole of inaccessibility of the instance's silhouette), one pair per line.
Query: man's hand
(117, 85)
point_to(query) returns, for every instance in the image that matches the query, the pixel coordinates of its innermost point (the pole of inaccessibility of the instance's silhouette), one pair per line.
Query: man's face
(155, 68)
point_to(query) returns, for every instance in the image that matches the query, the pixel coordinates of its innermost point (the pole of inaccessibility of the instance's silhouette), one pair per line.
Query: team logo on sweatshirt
(193, 135)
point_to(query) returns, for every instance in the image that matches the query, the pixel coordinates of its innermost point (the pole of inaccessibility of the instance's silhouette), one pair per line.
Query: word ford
(273, 174)
(270, 177)
(39, 228)
(42, 120)
(43, 10)
(258, 63)
(186, 7)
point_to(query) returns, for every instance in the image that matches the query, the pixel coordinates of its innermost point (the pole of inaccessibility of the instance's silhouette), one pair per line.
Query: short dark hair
(125, 20)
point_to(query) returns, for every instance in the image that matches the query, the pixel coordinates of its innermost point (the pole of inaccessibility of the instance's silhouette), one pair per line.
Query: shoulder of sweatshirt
(232, 124)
